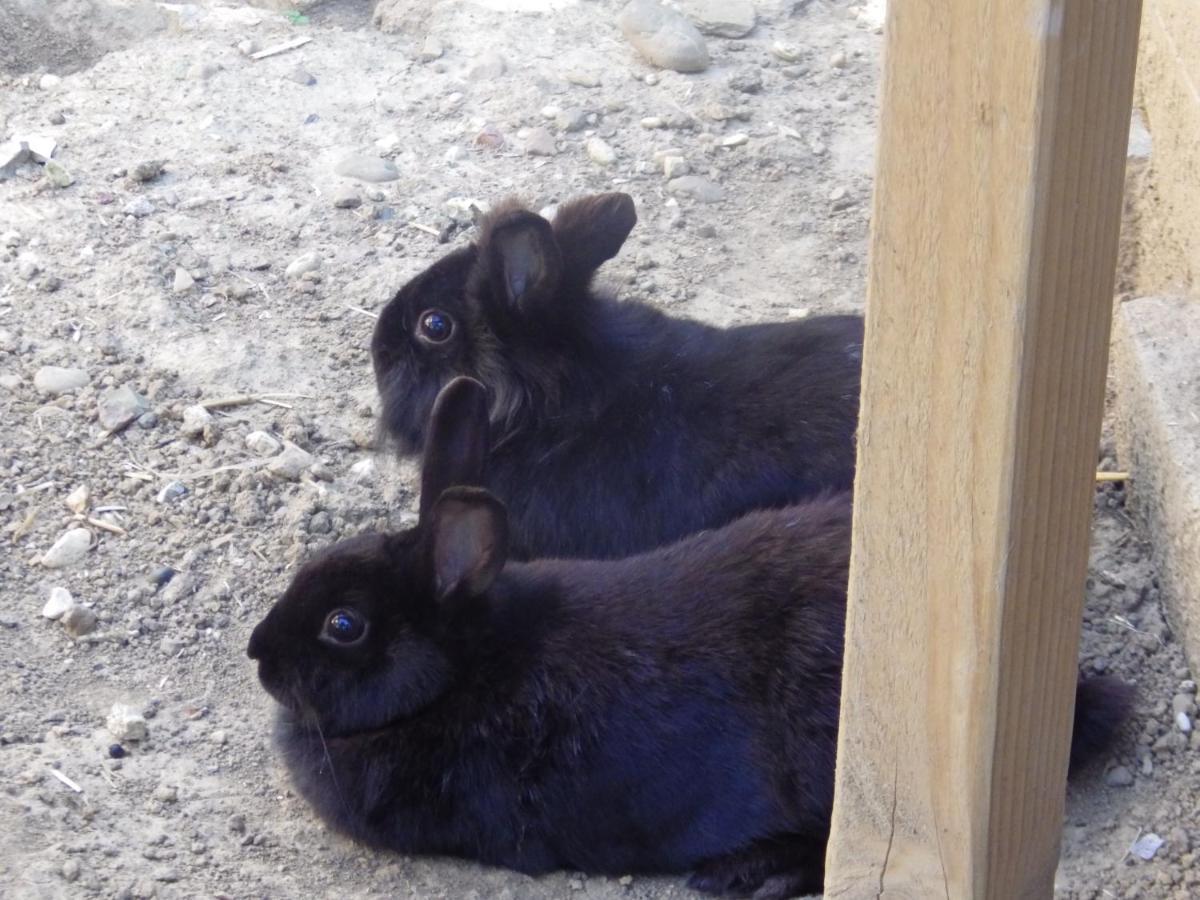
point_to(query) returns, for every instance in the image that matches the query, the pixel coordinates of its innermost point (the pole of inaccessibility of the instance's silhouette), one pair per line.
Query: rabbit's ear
(468, 533)
(456, 441)
(591, 230)
(524, 263)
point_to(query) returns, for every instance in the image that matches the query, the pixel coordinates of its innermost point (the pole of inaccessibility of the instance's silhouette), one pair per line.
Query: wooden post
(997, 206)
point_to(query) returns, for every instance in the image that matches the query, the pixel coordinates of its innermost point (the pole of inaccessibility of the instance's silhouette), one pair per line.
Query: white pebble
(126, 723)
(69, 549)
(195, 419)
(1184, 722)
(77, 501)
(60, 601)
(262, 443)
(599, 152)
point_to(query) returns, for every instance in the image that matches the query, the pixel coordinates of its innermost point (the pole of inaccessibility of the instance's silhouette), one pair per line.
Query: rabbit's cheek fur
(413, 675)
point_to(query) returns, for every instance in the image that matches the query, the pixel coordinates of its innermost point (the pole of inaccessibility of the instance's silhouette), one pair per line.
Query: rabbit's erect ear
(468, 533)
(456, 441)
(591, 230)
(524, 263)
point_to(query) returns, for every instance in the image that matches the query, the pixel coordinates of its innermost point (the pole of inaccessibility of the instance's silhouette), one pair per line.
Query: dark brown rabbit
(674, 711)
(616, 428)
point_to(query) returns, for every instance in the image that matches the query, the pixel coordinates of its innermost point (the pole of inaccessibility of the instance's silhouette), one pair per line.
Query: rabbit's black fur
(672, 711)
(616, 428)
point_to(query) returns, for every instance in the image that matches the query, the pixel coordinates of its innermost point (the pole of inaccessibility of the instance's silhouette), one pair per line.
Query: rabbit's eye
(436, 326)
(344, 626)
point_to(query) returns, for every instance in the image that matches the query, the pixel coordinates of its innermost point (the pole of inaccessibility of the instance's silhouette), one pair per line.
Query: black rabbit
(616, 428)
(673, 711)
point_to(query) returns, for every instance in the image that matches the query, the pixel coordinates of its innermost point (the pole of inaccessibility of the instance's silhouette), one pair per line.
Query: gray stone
(1118, 776)
(147, 170)
(720, 18)
(78, 621)
(262, 443)
(431, 49)
(291, 463)
(57, 174)
(367, 168)
(48, 82)
(195, 419)
(301, 76)
(118, 407)
(697, 187)
(663, 37)
(56, 380)
(139, 207)
(347, 197)
(363, 471)
(489, 66)
(540, 142)
(28, 267)
(306, 262)
(571, 119)
(70, 549)
(747, 80)
(202, 71)
(789, 53)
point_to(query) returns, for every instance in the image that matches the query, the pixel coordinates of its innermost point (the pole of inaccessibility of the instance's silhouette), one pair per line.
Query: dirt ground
(232, 274)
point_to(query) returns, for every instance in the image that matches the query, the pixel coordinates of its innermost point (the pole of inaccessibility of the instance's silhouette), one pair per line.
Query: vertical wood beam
(994, 234)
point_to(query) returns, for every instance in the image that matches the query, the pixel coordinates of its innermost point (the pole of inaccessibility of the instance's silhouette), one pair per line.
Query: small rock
(1183, 722)
(116, 751)
(540, 142)
(172, 491)
(165, 793)
(306, 262)
(118, 407)
(747, 81)
(367, 168)
(248, 46)
(28, 268)
(675, 166)
(57, 174)
(734, 140)
(262, 443)
(1183, 703)
(49, 283)
(219, 737)
(838, 60)
(301, 76)
(599, 152)
(10, 239)
(1118, 776)
(78, 621)
(347, 197)
(720, 18)
(60, 601)
(147, 170)
(697, 187)
(138, 207)
(202, 71)
(291, 463)
(69, 550)
(1179, 840)
(77, 501)
(625, 880)
(663, 37)
(488, 67)
(55, 380)
(183, 281)
(147, 420)
(583, 78)
(653, 122)
(195, 419)
(48, 81)
(320, 523)
(363, 471)
(56, 118)
(1147, 846)
(10, 381)
(571, 119)
(432, 49)
(789, 53)
(71, 869)
(236, 823)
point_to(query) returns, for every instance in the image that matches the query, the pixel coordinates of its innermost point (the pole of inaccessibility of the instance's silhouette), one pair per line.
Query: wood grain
(994, 234)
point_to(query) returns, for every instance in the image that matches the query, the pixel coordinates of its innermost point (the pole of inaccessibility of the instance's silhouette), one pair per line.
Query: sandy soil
(177, 287)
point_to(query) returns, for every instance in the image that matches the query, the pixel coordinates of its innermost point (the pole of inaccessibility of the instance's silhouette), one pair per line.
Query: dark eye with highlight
(344, 626)
(435, 326)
